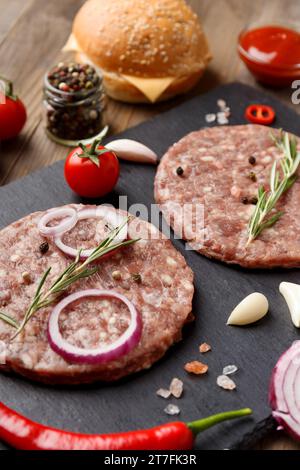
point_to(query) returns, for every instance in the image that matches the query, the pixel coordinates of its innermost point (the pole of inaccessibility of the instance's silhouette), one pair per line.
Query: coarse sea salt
(222, 119)
(225, 382)
(163, 393)
(176, 387)
(222, 104)
(172, 410)
(230, 369)
(211, 117)
(204, 347)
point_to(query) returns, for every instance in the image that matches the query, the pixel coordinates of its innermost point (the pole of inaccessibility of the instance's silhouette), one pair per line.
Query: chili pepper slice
(260, 114)
(22, 433)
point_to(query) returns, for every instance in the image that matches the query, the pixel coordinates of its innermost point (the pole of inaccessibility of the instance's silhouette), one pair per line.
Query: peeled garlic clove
(132, 151)
(291, 293)
(251, 309)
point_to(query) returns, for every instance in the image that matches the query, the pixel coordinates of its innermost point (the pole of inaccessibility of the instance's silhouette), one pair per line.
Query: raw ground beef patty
(217, 174)
(163, 298)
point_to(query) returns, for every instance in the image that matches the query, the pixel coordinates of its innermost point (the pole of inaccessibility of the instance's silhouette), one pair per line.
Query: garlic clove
(254, 307)
(291, 293)
(133, 151)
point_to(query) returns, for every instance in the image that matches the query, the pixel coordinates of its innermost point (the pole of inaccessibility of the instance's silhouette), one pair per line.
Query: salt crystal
(196, 367)
(163, 392)
(231, 369)
(221, 118)
(225, 382)
(222, 104)
(176, 387)
(204, 347)
(172, 410)
(210, 117)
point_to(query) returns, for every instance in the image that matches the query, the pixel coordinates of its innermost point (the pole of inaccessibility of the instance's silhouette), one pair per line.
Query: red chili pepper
(22, 433)
(260, 114)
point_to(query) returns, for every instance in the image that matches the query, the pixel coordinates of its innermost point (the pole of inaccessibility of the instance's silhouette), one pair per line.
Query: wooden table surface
(32, 33)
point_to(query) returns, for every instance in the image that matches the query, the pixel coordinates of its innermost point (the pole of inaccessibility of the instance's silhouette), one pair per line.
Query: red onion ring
(111, 216)
(123, 345)
(284, 392)
(69, 216)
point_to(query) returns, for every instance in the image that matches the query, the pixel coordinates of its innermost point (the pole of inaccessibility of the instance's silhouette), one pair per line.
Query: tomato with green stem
(12, 112)
(92, 171)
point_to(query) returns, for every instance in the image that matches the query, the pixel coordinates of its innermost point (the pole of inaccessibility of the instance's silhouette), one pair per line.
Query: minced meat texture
(217, 174)
(163, 298)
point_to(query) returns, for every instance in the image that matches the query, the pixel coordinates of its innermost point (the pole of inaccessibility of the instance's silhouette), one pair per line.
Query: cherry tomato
(260, 114)
(12, 113)
(92, 171)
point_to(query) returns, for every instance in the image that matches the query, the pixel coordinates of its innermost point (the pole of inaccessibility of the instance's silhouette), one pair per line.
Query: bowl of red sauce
(271, 52)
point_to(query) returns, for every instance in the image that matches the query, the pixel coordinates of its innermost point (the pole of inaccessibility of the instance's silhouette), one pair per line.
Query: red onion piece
(123, 345)
(112, 217)
(284, 392)
(69, 216)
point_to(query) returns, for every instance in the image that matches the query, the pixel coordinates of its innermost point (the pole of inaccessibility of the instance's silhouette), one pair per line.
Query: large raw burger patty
(217, 174)
(163, 298)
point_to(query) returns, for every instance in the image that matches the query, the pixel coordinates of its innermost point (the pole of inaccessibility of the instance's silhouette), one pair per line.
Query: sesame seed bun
(147, 39)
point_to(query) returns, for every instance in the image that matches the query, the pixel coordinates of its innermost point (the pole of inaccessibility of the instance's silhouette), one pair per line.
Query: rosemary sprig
(75, 271)
(263, 216)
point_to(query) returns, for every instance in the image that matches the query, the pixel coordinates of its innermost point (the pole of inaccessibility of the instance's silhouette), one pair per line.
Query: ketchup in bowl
(271, 53)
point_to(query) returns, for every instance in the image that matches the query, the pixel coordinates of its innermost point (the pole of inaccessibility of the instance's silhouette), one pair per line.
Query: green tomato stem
(9, 89)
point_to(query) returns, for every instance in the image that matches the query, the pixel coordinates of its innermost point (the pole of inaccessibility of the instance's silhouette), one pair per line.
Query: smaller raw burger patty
(222, 170)
(163, 298)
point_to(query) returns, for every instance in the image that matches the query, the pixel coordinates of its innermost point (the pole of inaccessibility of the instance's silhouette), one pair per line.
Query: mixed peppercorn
(73, 77)
(74, 101)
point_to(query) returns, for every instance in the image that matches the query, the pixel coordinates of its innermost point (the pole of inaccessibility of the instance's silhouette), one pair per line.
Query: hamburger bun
(147, 50)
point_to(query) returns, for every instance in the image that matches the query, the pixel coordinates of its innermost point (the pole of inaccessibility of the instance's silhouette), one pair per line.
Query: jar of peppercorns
(73, 102)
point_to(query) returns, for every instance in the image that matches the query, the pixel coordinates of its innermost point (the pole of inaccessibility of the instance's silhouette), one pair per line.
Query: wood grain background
(32, 33)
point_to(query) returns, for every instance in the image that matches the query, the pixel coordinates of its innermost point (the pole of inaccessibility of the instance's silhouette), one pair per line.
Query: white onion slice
(123, 345)
(284, 393)
(69, 216)
(132, 151)
(112, 217)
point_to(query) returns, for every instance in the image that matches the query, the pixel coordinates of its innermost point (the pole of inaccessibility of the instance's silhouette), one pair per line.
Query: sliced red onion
(284, 393)
(69, 216)
(123, 345)
(112, 217)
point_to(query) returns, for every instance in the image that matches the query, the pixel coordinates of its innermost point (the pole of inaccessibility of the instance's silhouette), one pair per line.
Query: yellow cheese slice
(152, 88)
(71, 45)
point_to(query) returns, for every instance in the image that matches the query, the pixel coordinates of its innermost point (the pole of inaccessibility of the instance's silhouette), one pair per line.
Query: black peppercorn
(252, 176)
(254, 200)
(179, 171)
(252, 160)
(44, 247)
(244, 200)
(136, 277)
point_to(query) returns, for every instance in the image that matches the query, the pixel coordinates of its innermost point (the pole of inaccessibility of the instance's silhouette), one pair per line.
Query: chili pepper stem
(201, 424)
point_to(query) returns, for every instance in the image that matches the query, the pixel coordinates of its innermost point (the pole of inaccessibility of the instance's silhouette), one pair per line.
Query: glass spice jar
(73, 102)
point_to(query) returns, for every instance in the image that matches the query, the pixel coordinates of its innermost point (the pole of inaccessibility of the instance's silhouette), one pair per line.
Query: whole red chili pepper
(22, 433)
(260, 114)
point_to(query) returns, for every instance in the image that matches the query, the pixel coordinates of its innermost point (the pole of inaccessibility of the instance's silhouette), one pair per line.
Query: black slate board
(132, 403)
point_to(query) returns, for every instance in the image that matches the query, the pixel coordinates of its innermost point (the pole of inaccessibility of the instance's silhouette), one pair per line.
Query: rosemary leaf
(7, 319)
(263, 216)
(75, 271)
